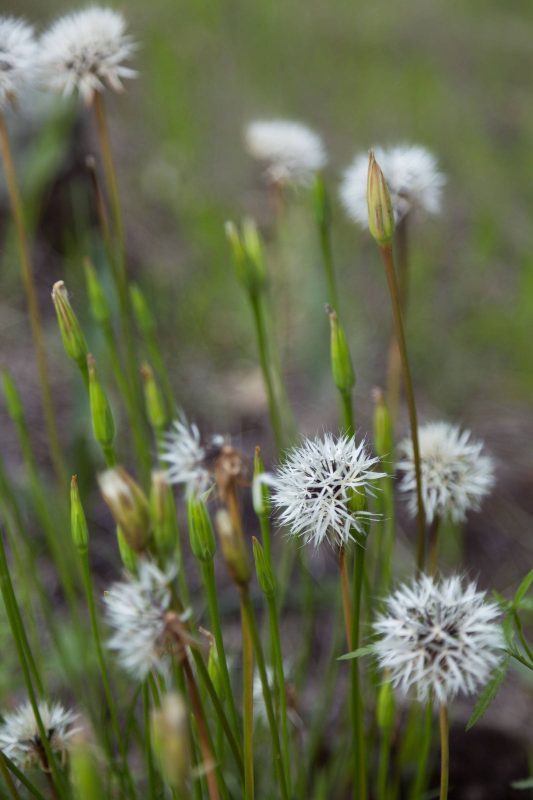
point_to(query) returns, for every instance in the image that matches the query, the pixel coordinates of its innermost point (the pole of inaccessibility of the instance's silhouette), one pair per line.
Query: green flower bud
(98, 303)
(265, 577)
(341, 362)
(101, 415)
(78, 522)
(155, 407)
(383, 431)
(69, 327)
(201, 534)
(260, 491)
(128, 505)
(127, 554)
(143, 316)
(170, 741)
(385, 706)
(163, 514)
(233, 548)
(215, 671)
(380, 213)
(247, 255)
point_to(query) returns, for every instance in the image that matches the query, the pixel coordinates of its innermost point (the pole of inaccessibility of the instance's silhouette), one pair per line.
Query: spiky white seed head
(188, 458)
(19, 733)
(315, 488)
(292, 152)
(85, 52)
(136, 610)
(17, 58)
(439, 638)
(456, 476)
(412, 176)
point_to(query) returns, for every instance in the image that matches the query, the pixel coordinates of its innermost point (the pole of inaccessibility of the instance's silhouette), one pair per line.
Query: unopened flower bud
(215, 671)
(201, 534)
(380, 212)
(129, 506)
(155, 407)
(341, 362)
(247, 255)
(233, 548)
(163, 514)
(69, 327)
(143, 316)
(260, 490)
(265, 577)
(78, 522)
(383, 434)
(170, 740)
(385, 706)
(128, 556)
(98, 302)
(101, 415)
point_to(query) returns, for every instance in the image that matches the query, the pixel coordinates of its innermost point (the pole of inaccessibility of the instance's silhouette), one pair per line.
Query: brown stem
(203, 731)
(444, 752)
(346, 599)
(33, 306)
(248, 705)
(394, 368)
(388, 260)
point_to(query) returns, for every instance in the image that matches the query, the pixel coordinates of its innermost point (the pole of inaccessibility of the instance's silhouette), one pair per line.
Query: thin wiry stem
(444, 752)
(360, 782)
(394, 373)
(248, 705)
(33, 305)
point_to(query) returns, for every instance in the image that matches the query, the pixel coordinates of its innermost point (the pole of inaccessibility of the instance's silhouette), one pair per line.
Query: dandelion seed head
(438, 638)
(19, 733)
(17, 58)
(456, 476)
(314, 489)
(292, 152)
(136, 610)
(85, 51)
(413, 179)
(187, 459)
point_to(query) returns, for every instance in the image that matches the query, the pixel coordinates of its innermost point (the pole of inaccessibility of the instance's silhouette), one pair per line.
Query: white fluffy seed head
(317, 488)
(438, 638)
(187, 458)
(85, 51)
(456, 476)
(292, 152)
(19, 733)
(136, 610)
(17, 58)
(412, 175)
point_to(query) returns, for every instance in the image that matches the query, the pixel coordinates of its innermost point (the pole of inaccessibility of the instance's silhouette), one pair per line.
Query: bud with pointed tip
(78, 521)
(383, 435)
(385, 706)
(260, 491)
(129, 506)
(341, 362)
(163, 514)
(101, 414)
(233, 548)
(247, 254)
(155, 407)
(141, 311)
(170, 740)
(128, 555)
(265, 577)
(69, 327)
(97, 299)
(201, 534)
(215, 671)
(380, 212)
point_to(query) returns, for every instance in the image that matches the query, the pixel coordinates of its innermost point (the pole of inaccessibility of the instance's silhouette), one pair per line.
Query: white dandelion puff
(315, 488)
(438, 638)
(292, 152)
(412, 175)
(187, 458)
(456, 476)
(136, 610)
(21, 741)
(17, 58)
(85, 51)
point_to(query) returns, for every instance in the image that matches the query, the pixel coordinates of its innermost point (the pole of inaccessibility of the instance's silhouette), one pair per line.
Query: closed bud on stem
(85, 771)
(78, 522)
(380, 212)
(385, 706)
(201, 535)
(69, 327)
(155, 407)
(143, 316)
(341, 362)
(383, 431)
(98, 303)
(101, 415)
(260, 490)
(170, 740)
(127, 553)
(15, 409)
(128, 505)
(265, 578)
(233, 549)
(247, 255)
(213, 667)
(163, 514)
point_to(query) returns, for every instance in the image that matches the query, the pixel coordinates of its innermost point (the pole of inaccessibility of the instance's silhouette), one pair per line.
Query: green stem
(248, 706)
(444, 752)
(279, 672)
(148, 742)
(324, 233)
(360, 783)
(434, 532)
(8, 780)
(347, 420)
(33, 790)
(422, 754)
(388, 260)
(33, 306)
(258, 650)
(384, 764)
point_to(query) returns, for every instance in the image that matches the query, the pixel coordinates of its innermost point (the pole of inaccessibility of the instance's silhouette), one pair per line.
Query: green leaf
(488, 694)
(527, 783)
(517, 655)
(361, 651)
(522, 589)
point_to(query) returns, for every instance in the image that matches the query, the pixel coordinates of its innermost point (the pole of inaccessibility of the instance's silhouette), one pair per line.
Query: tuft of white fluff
(187, 459)
(413, 179)
(85, 52)
(315, 488)
(292, 152)
(439, 638)
(20, 739)
(17, 58)
(456, 476)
